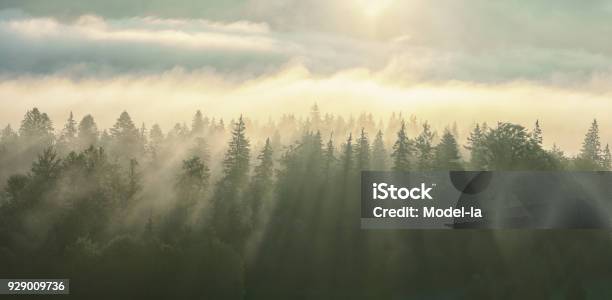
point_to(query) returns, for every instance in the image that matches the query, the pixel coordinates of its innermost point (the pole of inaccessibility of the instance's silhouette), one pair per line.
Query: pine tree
(133, 182)
(362, 151)
(606, 162)
(424, 148)
(220, 128)
(262, 181)
(70, 129)
(124, 127)
(87, 132)
(329, 156)
(379, 153)
(192, 182)
(191, 185)
(47, 166)
(347, 155)
(105, 139)
(537, 133)
(447, 153)
(37, 127)
(156, 139)
(402, 149)
(236, 162)
(8, 136)
(315, 116)
(557, 153)
(511, 147)
(455, 130)
(591, 146)
(478, 159)
(197, 125)
(229, 213)
(317, 150)
(126, 137)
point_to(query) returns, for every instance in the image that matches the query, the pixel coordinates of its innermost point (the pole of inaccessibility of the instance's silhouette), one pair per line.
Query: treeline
(131, 212)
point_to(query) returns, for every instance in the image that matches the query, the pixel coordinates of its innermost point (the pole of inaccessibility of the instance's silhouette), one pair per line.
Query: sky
(442, 60)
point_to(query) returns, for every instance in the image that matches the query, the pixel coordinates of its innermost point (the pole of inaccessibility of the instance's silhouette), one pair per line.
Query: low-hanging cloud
(162, 68)
(93, 46)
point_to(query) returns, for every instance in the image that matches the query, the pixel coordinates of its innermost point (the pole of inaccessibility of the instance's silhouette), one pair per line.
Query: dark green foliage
(347, 155)
(67, 138)
(192, 182)
(362, 151)
(510, 147)
(477, 148)
(229, 209)
(591, 155)
(425, 148)
(330, 159)
(402, 150)
(236, 162)
(261, 183)
(536, 135)
(38, 126)
(178, 222)
(88, 132)
(606, 159)
(126, 141)
(379, 153)
(447, 155)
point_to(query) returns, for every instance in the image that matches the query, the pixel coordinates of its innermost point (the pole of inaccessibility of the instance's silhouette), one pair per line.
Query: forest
(266, 210)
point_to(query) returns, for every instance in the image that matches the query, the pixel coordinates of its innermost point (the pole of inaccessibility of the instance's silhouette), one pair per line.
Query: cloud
(444, 60)
(92, 45)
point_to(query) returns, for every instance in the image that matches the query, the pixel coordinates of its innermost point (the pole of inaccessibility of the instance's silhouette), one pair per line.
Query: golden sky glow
(443, 61)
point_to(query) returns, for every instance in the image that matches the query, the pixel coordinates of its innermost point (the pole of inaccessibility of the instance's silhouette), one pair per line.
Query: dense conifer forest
(240, 209)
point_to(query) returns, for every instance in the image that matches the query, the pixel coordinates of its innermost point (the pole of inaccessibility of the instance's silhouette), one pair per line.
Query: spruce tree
(606, 161)
(558, 155)
(192, 182)
(197, 125)
(362, 151)
(190, 186)
(8, 135)
(36, 127)
(236, 162)
(229, 213)
(379, 153)
(87, 132)
(424, 148)
(156, 139)
(591, 146)
(347, 155)
(124, 127)
(262, 181)
(402, 150)
(70, 129)
(133, 182)
(447, 153)
(315, 117)
(329, 156)
(126, 137)
(476, 146)
(537, 133)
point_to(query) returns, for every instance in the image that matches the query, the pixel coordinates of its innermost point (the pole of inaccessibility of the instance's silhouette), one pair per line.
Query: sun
(373, 8)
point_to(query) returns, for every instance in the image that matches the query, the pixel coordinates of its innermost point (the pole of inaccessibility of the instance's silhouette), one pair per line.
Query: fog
(175, 95)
